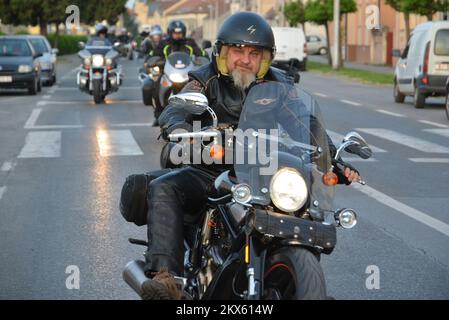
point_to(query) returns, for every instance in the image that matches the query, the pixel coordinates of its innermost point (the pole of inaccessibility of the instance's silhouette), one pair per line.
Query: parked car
(316, 45)
(447, 98)
(291, 48)
(423, 66)
(19, 64)
(48, 59)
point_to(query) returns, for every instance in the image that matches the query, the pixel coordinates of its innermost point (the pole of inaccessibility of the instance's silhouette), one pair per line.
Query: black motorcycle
(99, 73)
(271, 215)
(161, 79)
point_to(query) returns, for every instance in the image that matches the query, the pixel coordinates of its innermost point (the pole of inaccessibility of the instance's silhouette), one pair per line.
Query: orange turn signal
(217, 152)
(330, 179)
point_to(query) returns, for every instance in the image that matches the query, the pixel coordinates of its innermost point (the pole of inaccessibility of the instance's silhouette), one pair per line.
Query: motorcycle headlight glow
(87, 61)
(241, 193)
(97, 60)
(178, 78)
(24, 68)
(108, 61)
(288, 190)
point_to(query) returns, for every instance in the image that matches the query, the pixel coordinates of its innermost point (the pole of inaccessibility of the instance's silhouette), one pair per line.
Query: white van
(423, 67)
(291, 47)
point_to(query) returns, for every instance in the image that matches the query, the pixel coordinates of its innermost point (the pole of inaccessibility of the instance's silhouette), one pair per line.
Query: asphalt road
(64, 159)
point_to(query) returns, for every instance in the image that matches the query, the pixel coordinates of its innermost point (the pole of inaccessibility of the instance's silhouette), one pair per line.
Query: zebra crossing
(120, 141)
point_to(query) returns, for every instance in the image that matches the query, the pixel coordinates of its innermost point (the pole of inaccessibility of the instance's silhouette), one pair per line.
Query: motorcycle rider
(176, 42)
(242, 56)
(101, 32)
(152, 41)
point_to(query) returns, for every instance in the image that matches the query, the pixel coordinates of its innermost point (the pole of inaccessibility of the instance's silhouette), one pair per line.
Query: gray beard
(242, 80)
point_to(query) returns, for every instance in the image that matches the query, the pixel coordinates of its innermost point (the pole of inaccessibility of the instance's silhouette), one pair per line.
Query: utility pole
(336, 57)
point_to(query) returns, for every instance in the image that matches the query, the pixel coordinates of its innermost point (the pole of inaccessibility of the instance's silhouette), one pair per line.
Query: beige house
(374, 45)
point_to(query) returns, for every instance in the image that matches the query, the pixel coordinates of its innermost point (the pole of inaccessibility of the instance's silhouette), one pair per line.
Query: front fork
(255, 268)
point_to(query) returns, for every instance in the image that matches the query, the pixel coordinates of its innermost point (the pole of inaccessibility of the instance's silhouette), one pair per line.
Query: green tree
(321, 12)
(294, 13)
(398, 5)
(424, 7)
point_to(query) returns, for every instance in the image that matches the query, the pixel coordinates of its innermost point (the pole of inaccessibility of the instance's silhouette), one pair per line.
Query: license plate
(5, 78)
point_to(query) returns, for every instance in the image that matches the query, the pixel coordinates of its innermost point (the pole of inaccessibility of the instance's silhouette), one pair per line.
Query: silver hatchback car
(48, 59)
(316, 45)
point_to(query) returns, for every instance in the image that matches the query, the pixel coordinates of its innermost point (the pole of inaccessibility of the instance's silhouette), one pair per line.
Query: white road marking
(117, 143)
(434, 124)
(33, 118)
(76, 88)
(338, 138)
(2, 191)
(404, 209)
(8, 166)
(390, 113)
(43, 144)
(358, 159)
(320, 94)
(408, 141)
(56, 126)
(430, 160)
(43, 103)
(47, 96)
(144, 124)
(351, 102)
(441, 132)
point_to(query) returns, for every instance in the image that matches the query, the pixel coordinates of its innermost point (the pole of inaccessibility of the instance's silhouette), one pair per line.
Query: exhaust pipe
(134, 275)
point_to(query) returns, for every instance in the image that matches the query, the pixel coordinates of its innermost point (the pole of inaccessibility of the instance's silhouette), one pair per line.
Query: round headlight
(241, 193)
(347, 218)
(87, 61)
(97, 60)
(288, 190)
(178, 78)
(109, 61)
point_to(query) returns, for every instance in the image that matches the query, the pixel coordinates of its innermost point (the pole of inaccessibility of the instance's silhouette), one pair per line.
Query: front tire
(398, 96)
(98, 96)
(147, 98)
(32, 90)
(294, 273)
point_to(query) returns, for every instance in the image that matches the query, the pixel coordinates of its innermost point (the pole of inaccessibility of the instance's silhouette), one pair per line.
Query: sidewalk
(358, 66)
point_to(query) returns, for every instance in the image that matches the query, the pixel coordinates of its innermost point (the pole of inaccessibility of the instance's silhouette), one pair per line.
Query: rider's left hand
(351, 175)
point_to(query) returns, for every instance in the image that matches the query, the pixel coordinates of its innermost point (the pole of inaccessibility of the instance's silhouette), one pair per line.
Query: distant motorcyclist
(101, 32)
(176, 42)
(152, 41)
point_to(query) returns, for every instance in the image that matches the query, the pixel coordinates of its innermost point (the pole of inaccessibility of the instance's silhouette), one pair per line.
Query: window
(442, 43)
(39, 45)
(14, 47)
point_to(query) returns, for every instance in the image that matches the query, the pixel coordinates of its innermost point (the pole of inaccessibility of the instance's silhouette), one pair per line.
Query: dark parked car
(19, 64)
(48, 59)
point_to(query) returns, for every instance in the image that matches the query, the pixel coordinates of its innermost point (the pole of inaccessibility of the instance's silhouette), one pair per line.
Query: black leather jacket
(227, 102)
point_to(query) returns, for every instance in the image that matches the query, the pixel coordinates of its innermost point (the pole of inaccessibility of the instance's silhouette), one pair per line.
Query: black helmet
(101, 28)
(177, 26)
(245, 28)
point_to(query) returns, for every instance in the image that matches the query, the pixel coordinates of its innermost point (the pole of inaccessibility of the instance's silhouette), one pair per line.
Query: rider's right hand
(180, 125)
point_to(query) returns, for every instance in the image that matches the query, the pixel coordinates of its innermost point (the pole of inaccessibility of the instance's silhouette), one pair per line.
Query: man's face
(177, 35)
(243, 64)
(244, 59)
(156, 38)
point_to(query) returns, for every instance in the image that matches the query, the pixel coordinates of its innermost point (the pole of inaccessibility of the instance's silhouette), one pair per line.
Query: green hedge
(67, 44)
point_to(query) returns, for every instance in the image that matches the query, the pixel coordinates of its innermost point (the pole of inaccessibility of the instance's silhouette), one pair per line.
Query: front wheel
(398, 96)
(294, 273)
(447, 104)
(98, 96)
